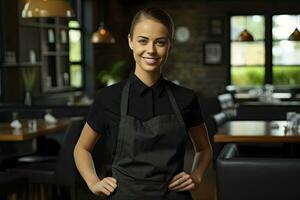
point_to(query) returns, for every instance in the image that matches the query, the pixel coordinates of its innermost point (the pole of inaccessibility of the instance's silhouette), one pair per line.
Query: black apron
(149, 154)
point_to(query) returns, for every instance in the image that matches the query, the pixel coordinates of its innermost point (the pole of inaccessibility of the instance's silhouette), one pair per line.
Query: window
(75, 54)
(285, 53)
(248, 59)
(62, 67)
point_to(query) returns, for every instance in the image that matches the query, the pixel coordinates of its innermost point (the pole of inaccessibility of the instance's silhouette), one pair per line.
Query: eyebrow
(165, 38)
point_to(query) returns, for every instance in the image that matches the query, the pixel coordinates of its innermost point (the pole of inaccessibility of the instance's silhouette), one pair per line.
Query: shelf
(23, 64)
(43, 25)
(54, 53)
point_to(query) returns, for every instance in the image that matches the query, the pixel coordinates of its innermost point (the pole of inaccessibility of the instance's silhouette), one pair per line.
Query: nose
(151, 48)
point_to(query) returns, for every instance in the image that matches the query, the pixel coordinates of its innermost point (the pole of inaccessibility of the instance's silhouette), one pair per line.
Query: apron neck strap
(125, 94)
(124, 98)
(174, 104)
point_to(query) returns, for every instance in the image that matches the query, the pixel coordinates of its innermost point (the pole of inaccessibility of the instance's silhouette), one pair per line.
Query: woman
(150, 118)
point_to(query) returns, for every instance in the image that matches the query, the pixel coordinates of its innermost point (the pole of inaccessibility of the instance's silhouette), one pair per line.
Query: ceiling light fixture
(47, 8)
(102, 34)
(245, 35)
(295, 36)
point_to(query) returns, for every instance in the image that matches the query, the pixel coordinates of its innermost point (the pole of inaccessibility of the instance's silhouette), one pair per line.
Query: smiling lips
(150, 61)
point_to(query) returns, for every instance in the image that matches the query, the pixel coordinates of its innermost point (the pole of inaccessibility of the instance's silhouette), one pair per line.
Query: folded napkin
(16, 124)
(50, 118)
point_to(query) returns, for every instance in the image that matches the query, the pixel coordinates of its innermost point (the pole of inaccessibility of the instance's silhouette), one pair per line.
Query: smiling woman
(148, 120)
(150, 46)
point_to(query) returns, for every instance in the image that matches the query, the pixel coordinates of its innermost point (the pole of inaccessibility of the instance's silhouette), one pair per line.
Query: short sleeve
(195, 114)
(96, 116)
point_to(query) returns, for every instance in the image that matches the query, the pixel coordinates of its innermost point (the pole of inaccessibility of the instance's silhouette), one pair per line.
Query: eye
(142, 41)
(161, 43)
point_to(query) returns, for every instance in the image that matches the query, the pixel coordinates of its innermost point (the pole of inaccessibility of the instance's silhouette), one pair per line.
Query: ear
(130, 42)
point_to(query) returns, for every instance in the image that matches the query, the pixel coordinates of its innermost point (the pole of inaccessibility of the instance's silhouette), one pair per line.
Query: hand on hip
(182, 182)
(104, 187)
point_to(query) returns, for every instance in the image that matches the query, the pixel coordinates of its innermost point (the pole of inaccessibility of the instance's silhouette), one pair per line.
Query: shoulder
(109, 93)
(181, 93)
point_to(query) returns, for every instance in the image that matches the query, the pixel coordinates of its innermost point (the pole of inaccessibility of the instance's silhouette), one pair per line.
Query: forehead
(150, 28)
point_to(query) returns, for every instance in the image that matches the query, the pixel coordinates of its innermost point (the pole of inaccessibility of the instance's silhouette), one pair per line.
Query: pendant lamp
(47, 8)
(245, 35)
(295, 36)
(102, 35)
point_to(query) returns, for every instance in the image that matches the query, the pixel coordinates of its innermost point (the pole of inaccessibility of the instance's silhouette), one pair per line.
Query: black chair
(61, 172)
(226, 101)
(218, 120)
(227, 105)
(13, 184)
(248, 176)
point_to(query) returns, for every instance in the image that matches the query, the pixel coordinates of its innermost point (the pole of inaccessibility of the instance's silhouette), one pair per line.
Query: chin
(151, 68)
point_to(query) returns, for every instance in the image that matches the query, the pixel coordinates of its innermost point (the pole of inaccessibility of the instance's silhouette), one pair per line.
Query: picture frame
(212, 53)
(216, 26)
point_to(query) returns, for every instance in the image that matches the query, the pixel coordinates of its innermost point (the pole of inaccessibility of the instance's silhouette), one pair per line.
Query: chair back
(12, 183)
(66, 172)
(226, 101)
(247, 177)
(219, 119)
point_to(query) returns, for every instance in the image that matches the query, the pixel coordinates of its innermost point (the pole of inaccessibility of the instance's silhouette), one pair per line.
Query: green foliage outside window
(254, 75)
(247, 75)
(285, 75)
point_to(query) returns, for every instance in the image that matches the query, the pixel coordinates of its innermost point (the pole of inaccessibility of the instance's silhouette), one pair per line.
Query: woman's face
(150, 45)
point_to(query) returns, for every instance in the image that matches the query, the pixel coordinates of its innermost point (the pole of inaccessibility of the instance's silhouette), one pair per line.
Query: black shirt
(144, 103)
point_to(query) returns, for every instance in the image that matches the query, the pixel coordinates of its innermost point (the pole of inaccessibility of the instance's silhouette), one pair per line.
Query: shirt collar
(141, 87)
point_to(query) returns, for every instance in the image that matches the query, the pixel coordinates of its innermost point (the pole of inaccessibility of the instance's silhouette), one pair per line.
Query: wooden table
(255, 131)
(10, 134)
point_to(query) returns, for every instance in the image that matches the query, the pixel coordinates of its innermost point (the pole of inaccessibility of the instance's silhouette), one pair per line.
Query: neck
(148, 78)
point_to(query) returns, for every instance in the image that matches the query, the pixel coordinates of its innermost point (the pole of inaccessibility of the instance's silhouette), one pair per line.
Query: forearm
(203, 163)
(85, 166)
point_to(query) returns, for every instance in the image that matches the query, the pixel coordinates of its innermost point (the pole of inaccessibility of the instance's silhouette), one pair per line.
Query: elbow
(75, 152)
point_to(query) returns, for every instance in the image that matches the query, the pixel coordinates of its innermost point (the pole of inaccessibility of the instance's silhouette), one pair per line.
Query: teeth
(150, 60)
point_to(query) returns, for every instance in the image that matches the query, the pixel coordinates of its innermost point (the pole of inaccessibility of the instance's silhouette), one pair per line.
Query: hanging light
(102, 35)
(295, 36)
(47, 8)
(245, 35)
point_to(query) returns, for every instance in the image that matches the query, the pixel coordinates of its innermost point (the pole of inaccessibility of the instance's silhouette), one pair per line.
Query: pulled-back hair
(156, 14)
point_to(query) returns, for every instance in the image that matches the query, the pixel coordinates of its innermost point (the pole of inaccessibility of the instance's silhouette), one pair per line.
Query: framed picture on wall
(212, 53)
(216, 26)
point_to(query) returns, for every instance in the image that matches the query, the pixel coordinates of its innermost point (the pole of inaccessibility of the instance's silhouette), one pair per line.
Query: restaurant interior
(242, 58)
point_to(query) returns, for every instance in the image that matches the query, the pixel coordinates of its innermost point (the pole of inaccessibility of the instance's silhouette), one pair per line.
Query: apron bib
(149, 154)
